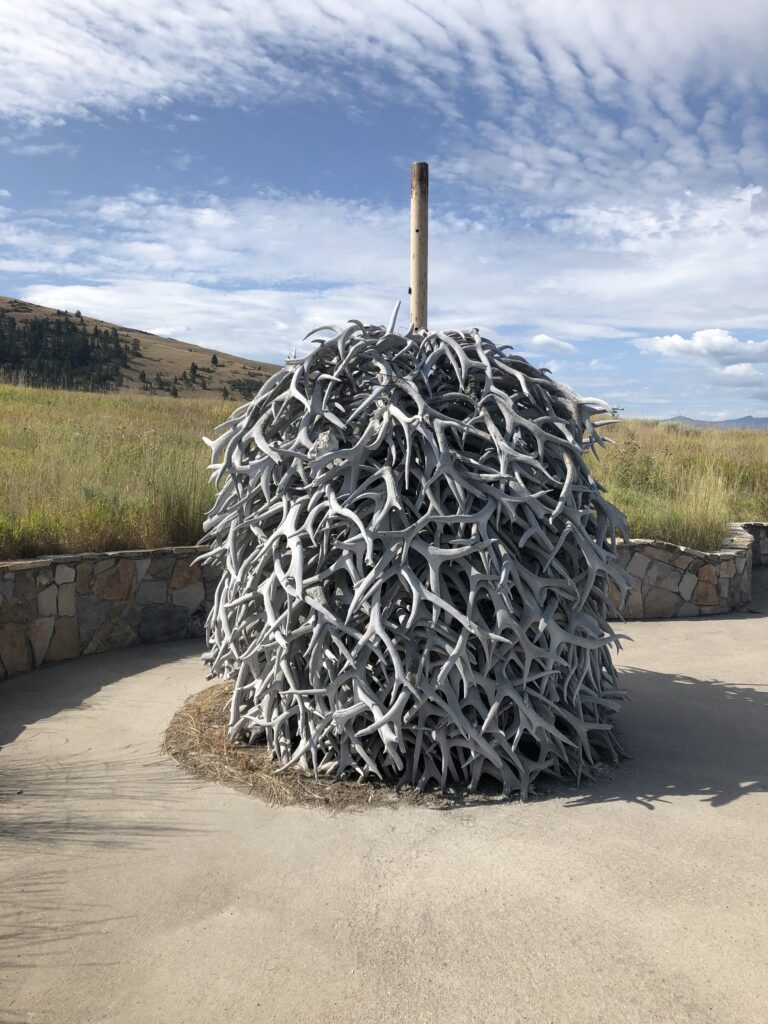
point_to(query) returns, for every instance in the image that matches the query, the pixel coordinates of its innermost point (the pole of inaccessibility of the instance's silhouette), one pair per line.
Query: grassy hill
(120, 358)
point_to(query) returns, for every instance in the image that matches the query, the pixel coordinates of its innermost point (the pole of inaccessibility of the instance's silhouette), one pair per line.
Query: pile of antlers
(416, 565)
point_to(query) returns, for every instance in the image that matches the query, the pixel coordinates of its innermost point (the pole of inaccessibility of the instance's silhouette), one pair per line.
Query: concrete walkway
(132, 893)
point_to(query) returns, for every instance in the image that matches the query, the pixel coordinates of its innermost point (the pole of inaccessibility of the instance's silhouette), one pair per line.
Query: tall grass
(94, 472)
(685, 485)
(98, 472)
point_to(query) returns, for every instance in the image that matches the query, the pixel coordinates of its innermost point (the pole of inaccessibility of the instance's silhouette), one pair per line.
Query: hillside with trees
(43, 347)
(62, 351)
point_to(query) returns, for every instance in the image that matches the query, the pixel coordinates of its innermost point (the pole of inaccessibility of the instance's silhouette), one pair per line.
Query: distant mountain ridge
(742, 423)
(40, 346)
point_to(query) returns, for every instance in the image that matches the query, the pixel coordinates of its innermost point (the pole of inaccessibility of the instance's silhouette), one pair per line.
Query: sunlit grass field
(99, 472)
(684, 485)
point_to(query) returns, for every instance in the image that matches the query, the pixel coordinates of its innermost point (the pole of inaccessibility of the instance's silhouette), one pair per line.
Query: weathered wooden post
(419, 243)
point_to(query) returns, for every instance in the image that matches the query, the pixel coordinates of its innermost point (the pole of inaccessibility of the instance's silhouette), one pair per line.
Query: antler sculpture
(416, 565)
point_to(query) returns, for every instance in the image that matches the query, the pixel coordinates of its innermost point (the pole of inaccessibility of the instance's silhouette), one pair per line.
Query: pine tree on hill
(59, 351)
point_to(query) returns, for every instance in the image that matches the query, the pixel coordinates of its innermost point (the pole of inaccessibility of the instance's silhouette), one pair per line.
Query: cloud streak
(572, 99)
(711, 344)
(565, 284)
(605, 164)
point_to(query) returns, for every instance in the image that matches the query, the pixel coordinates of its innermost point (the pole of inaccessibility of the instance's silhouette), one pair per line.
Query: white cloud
(745, 377)
(617, 157)
(78, 54)
(545, 343)
(4, 193)
(741, 371)
(712, 344)
(483, 272)
(259, 322)
(577, 99)
(21, 148)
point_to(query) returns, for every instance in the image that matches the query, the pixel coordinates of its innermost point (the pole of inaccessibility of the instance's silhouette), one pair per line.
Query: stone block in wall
(152, 592)
(83, 578)
(113, 634)
(46, 600)
(634, 604)
(116, 583)
(662, 574)
(707, 573)
(189, 597)
(161, 567)
(660, 604)
(67, 599)
(91, 614)
(638, 565)
(65, 642)
(687, 586)
(64, 574)
(44, 577)
(18, 610)
(727, 568)
(185, 575)
(25, 588)
(15, 650)
(162, 622)
(40, 633)
(705, 593)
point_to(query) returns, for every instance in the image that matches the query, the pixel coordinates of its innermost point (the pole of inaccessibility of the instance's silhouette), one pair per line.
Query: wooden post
(419, 243)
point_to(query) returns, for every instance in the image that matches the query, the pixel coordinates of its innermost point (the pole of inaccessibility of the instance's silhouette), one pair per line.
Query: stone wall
(759, 533)
(52, 609)
(669, 581)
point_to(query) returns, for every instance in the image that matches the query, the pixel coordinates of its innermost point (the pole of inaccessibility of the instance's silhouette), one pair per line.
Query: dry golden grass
(98, 472)
(685, 485)
(196, 740)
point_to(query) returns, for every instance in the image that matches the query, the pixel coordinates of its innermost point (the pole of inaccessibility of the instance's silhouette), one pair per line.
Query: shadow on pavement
(28, 698)
(685, 737)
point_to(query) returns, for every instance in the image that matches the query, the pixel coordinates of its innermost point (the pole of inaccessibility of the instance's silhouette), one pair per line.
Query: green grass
(99, 472)
(685, 485)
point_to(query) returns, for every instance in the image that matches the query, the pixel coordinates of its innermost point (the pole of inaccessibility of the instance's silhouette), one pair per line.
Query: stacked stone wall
(669, 581)
(759, 534)
(52, 609)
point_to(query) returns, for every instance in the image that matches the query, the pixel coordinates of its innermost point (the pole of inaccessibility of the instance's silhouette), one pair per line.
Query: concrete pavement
(133, 893)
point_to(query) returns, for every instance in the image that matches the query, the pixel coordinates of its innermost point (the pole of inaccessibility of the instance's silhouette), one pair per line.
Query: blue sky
(234, 174)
